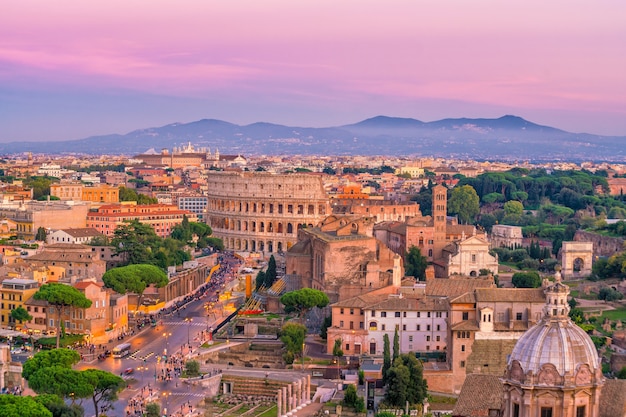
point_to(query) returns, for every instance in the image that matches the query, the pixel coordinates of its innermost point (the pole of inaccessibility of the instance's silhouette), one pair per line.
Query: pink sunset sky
(71, 69)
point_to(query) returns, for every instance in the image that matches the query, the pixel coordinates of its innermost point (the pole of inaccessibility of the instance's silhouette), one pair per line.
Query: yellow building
(13, 294)
(74, 191)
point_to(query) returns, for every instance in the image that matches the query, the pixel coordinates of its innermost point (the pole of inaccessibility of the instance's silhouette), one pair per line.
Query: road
(175, 336)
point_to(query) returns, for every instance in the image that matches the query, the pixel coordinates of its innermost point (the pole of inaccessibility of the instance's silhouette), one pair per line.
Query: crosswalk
(184, 323)
(187, 394)
(136, 357)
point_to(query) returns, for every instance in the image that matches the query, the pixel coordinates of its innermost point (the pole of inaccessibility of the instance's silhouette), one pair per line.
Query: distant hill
(504, 138)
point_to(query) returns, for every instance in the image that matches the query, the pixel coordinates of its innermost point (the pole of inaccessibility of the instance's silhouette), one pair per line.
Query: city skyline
(71, 70)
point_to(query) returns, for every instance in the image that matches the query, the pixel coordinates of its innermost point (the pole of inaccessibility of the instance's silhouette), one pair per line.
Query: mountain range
(504, 138)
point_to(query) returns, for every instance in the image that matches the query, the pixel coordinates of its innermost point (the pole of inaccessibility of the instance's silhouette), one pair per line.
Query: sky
(72, 69)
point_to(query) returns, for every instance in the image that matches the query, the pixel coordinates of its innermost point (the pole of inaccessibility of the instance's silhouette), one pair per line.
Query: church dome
(555, 344)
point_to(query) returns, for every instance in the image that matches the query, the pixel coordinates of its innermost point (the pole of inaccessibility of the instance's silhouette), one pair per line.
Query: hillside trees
(303, 300)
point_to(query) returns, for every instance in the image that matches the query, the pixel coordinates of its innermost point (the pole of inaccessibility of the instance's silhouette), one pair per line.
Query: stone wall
(602, 245)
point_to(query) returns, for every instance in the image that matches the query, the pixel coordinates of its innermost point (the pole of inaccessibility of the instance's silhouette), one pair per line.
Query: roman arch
(576, 259)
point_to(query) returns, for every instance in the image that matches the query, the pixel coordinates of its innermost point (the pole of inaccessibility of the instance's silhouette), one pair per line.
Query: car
(128, 371)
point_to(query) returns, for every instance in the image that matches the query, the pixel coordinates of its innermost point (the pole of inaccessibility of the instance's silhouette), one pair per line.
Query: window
(462, 348)
(373, 313)
(397, 314)
(438, 338)
(341, 323)
(462, 364)
(351, 311)
(438, 327)
(428, 314)
(351, 325)
(418, 314)
(383, 314)
(428, 338)
(347, 346)
(418, 328)
(518, 316)
(428, 327)
(404, 314)
(516, 410)
(341, 311)
(581, 411)
(546, 412)
(404, 327)
(410, 338)
(383, 327)
(465, 315)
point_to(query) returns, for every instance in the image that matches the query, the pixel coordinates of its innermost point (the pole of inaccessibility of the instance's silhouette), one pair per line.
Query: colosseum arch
(576, 259)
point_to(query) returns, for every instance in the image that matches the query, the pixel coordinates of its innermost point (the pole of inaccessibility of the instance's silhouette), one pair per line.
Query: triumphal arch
(576, 259)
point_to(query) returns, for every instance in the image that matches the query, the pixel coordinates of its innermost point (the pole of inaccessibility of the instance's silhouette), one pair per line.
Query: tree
(396, 346)
(465, 203)
(303, 300)
(20, 314)
(406, 381)
(105, 386)
(60, 296)
(134, 278)
(135, 241)
(513, 208)
(416, 264)
(352, 399)
(57, 406)
(153, 410)
(260, 279)
(386, 357)
(337, 351)
(22, 406)
(192, 368)
(529, 279)
(46, 358)
(326, 323)
(609, 294)
(270, 273)
(41, 234)
(293, 335)
(61, 381)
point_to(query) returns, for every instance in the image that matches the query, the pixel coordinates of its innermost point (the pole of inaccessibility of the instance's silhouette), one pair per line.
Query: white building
(82, 235)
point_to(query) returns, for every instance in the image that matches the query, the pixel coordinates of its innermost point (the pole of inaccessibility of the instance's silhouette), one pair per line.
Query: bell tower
(440, 212)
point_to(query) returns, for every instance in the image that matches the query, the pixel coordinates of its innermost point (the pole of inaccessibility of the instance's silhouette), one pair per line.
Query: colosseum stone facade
(260, 211)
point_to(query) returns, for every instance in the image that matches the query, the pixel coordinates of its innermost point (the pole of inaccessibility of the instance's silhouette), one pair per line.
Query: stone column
(308, 389)
(279, 404)
(303, 398)
(289, 398)
(285, 402)
(294, 398)
(298, 394)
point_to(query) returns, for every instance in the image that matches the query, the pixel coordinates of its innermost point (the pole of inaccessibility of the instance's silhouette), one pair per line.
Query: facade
(80, 236)
(342, 258)
(162, 218)
(68, 262)
(554, 369)
(506, 236)
(262, 212)
(380, 210)
(468, 256)
(196, 204)
(14, 293)
(188, 156)
(32, 215)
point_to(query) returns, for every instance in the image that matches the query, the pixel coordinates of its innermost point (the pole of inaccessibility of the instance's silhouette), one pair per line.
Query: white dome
(560, 343)
(555, 340)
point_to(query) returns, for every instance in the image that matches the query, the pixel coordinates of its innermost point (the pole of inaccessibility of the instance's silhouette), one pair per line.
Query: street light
(188, 320)
(165, 394)
(166, 335)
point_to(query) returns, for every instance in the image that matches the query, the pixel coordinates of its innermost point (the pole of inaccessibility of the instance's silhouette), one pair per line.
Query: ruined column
(279, 403)
(290, 406)
(285, 402)
(308, 389)
(303, 398)
(298, 394)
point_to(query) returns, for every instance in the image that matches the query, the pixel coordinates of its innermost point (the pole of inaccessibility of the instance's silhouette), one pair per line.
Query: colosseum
(260, 211)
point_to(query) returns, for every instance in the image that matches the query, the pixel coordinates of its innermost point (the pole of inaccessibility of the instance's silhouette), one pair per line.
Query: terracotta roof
(530, 295)
(479, 394)
(465, 325)
(452, 287)
(82, 232)
(361, 301)
(84, 284)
